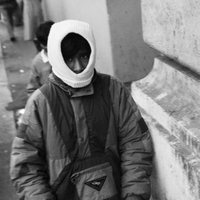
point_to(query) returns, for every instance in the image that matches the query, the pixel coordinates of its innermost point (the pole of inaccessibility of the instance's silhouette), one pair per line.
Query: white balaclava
(57, 33)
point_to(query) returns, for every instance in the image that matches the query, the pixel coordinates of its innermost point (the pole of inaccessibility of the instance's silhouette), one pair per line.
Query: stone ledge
(176, 170)
(171, 95)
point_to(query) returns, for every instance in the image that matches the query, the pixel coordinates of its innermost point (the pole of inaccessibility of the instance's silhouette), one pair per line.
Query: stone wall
(169, 96)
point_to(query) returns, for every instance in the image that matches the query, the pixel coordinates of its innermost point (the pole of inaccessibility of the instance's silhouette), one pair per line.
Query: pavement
(15, 61)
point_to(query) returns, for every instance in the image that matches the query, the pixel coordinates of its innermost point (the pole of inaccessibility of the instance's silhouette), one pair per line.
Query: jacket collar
(73, 92)
(44, 56)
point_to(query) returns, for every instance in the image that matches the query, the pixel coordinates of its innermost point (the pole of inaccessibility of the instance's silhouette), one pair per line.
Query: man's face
(78, 62)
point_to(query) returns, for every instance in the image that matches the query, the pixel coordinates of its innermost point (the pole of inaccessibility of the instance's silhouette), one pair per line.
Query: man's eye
(84, 56)
(68, 59)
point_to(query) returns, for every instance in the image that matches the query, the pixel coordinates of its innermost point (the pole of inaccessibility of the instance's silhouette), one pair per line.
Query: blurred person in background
(7, 10)
(32, 17)
(19, 14)
(41, 67)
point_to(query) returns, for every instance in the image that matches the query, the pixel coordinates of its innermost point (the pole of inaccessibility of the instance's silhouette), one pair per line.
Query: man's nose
(77, 66)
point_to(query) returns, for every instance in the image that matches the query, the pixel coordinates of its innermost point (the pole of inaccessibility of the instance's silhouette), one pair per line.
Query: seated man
(82, 135)
(7, 9)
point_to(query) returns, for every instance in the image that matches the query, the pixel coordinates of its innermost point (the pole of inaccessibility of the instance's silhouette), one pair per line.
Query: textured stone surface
(176, 171)
(173, 27)
(169, 95)
(175, 100)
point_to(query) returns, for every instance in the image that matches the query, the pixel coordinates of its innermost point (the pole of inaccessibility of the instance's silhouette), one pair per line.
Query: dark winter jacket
(39, 153)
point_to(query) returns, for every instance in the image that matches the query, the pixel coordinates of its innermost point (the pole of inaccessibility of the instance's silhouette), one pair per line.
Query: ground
(16, 62)
(17, 59)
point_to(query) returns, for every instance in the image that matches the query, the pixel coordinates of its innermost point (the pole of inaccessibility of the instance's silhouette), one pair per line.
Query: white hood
(57, 33)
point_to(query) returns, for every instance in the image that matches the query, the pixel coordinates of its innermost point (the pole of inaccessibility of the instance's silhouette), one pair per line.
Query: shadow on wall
(133, 58)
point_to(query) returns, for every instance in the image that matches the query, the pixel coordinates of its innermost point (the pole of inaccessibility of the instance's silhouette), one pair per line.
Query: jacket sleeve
(28, 168)
(135, 148)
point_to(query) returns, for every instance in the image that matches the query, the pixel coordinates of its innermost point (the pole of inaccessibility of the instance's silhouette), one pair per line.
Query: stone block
(176, 171)
(172, 28)
(174, 97)
(169, 100)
